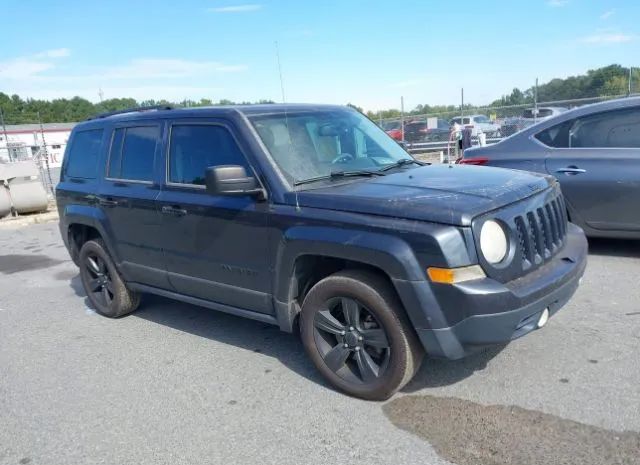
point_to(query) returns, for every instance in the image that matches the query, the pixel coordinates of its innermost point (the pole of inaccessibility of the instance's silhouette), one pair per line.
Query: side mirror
(231, 180)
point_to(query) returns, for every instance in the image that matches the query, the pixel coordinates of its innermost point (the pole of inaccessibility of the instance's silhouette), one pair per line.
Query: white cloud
(31, 66)
(406, 83)
(607, 14)
(236, 8)
(54, 53)
(557, 3)
(37, 76)
(608, 38)
(167, 68)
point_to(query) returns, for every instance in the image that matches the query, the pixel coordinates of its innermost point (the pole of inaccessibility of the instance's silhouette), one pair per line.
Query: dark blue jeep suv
(310, 216)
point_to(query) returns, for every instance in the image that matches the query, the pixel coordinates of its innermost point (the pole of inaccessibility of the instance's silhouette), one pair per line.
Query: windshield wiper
(339, 174)
(402, 162)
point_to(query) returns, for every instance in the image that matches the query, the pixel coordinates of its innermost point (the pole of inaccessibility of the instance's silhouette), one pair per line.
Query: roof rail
(130, 110)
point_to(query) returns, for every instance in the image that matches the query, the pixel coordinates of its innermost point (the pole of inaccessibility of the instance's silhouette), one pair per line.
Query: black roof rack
(130, 110)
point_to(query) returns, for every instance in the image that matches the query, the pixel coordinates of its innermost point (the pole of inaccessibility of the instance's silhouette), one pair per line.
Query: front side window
(84, 153)
(133, 153)
(196, 147)
(311, 144)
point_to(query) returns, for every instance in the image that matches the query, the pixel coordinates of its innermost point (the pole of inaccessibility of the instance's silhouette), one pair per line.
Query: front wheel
(356, 333)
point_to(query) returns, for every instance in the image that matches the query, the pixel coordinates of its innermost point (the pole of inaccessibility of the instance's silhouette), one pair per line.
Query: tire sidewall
(383, 311)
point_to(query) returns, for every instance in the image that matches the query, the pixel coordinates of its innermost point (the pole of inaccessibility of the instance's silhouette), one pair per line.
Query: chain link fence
(434, 132)
(43, 144)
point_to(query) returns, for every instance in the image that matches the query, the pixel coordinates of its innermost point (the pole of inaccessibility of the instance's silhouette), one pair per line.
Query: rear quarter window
(84, 152)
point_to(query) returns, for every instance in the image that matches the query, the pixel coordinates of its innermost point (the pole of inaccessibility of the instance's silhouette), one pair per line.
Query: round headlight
(493, 242)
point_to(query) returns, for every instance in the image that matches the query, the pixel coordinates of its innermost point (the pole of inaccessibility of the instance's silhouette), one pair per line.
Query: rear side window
(194, 148)
(84, 153)
(612, 129)
(132, 153)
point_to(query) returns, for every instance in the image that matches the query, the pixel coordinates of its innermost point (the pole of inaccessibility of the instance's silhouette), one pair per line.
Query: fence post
(46, 158)
(535, 102)
(402, 117)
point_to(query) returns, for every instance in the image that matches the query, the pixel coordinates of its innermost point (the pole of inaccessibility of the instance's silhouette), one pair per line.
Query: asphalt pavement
(177, 384)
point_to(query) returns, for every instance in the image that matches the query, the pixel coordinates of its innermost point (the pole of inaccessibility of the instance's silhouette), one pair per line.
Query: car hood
(449, 194)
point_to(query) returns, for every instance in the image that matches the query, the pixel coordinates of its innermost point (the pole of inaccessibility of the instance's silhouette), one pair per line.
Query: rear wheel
(102, 282)
(355, 331)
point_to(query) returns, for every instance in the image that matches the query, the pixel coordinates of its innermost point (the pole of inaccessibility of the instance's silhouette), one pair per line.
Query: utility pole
(630, 76)
(4, 132)
(461, 105)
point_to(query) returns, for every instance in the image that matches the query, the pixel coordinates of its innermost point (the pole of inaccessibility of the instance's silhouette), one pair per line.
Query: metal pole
(461, 105)
(4, 131)
(630, 70)
(402, 117)
(535, 102)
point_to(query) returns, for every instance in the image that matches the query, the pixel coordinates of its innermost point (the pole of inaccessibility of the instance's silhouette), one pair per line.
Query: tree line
(610, 80)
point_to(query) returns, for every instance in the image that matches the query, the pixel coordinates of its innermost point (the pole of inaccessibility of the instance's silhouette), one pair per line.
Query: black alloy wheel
(100, 284)
(357, 334)
(351, 341)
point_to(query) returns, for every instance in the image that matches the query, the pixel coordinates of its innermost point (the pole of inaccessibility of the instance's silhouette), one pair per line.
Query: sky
(369, 53)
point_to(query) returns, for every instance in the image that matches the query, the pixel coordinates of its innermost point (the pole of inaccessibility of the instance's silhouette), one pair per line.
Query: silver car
(594, 151)
(529, 117)
(478, 124)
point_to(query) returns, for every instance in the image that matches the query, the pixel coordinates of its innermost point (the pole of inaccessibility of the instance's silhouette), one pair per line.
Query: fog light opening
(543, 318)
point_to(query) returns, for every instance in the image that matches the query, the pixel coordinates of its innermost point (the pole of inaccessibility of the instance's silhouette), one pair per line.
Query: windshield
(312, 144)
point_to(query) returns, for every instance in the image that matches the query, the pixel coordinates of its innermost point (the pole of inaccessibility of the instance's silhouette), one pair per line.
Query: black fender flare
(93, 217)
(386, 252)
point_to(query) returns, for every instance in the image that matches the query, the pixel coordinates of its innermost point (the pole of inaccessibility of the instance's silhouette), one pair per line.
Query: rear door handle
(571, 170)
(168, 210)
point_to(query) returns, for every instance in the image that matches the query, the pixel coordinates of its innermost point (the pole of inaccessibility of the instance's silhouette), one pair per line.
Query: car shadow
(243, 333)
(440, 372)
(268, 340)
(614, 247)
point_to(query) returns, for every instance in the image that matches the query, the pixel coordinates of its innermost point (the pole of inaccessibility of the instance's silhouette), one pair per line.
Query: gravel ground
(176, 384)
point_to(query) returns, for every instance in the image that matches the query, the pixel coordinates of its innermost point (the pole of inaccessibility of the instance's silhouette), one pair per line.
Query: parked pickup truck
(311, 218)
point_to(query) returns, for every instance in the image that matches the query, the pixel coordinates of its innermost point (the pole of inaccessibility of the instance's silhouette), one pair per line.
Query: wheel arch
(82, 223)
(309, 254)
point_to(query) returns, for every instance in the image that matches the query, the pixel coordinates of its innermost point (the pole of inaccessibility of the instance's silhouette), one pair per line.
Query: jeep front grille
(541, 232)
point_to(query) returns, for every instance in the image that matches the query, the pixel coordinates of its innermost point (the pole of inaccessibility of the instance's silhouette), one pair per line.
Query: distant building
(28, 141)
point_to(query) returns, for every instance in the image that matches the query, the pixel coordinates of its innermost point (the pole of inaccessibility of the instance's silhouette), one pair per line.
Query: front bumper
(485, 312)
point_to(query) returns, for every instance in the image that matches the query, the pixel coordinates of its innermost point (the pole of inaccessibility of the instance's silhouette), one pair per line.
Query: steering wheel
(343, 158)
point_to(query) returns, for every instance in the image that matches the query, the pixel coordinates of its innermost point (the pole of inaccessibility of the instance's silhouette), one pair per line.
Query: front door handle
(107, 202)
(569, 170)
(176, 211)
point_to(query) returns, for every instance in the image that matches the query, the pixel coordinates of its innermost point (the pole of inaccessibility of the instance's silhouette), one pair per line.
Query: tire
(381, 351)
(103, 284)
